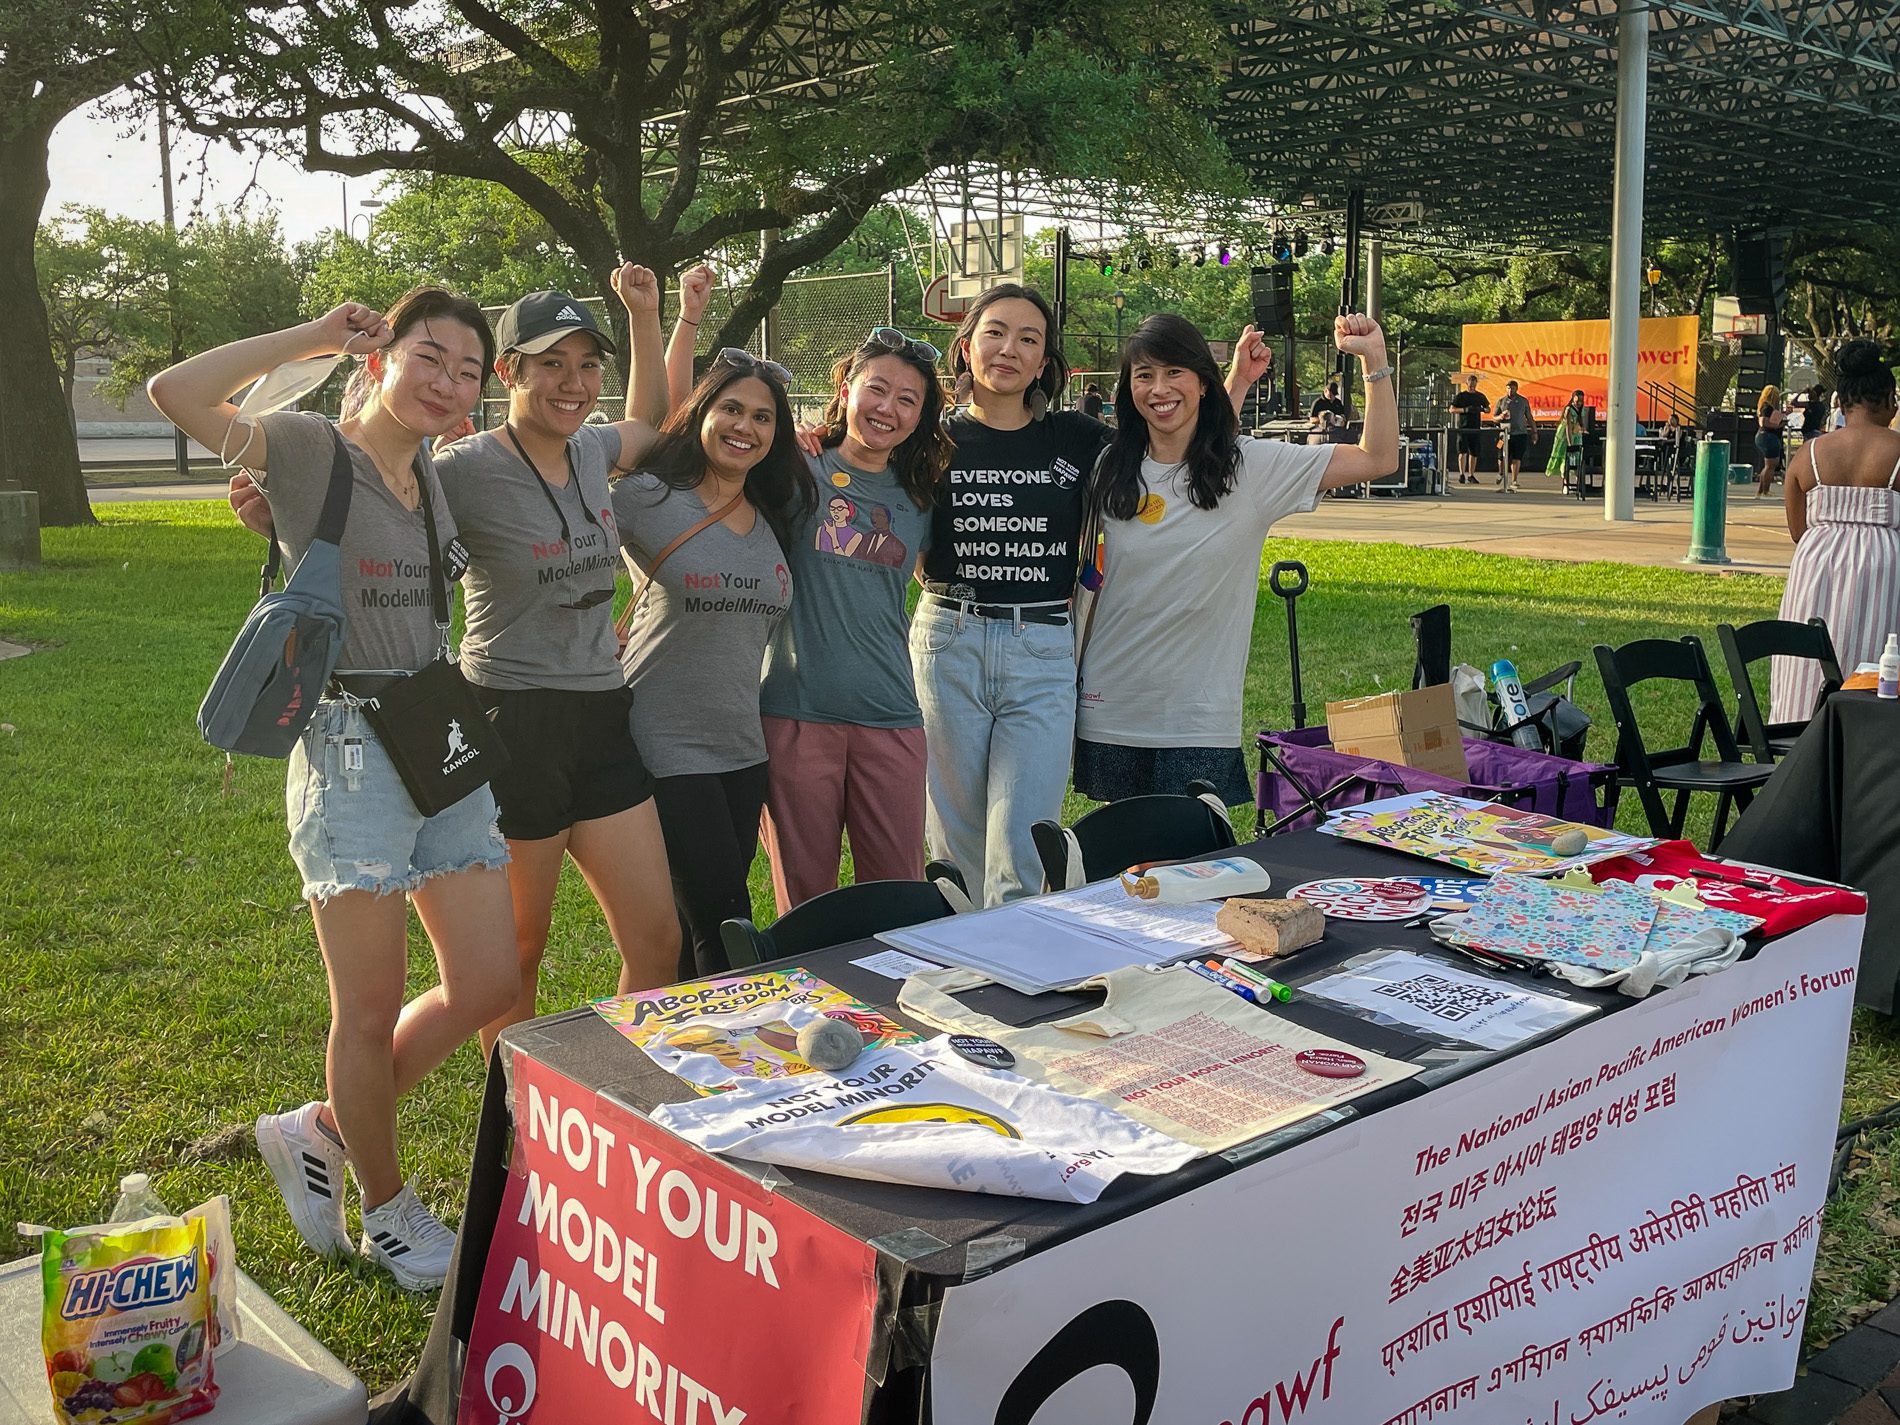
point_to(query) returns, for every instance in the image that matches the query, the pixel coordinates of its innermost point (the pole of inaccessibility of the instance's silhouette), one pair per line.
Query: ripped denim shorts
(353, 826)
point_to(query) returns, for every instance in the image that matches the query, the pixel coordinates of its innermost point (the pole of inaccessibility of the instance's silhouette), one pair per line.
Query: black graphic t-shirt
(1009, 525)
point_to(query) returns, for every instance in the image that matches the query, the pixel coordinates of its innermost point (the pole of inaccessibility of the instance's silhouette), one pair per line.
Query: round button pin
(1330, 1063)
(985, 1053)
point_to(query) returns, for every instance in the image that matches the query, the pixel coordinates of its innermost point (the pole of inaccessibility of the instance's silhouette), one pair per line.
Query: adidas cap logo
(568, 314)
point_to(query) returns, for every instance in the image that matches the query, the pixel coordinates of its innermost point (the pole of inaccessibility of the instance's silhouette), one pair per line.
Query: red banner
(634, 1278)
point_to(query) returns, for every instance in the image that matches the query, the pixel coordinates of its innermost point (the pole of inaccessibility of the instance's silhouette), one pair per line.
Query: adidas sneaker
(406, 1240)
(308, 1166)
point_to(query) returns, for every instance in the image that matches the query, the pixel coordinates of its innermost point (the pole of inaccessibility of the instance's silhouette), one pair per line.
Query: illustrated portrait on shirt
(836, 533)
(881, 546)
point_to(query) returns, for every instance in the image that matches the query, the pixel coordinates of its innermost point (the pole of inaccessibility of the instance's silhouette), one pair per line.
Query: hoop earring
(1038, 403)
(964, 385)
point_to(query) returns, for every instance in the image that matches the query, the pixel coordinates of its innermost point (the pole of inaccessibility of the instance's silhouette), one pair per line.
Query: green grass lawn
(164, 984)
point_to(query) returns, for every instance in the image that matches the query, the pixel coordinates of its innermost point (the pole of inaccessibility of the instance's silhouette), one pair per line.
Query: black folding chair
(1112, 838)
(1679, 769)
(1774, 638)
(1561, 725)
(848, 913)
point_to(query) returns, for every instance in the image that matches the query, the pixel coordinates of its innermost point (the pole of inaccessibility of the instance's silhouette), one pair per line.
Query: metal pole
(1375, 280)
(181, 465)
(768, 325)
(1349, 283)
(1626, 257)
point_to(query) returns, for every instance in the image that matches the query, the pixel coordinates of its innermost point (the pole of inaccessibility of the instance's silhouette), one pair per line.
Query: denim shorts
(353, 826)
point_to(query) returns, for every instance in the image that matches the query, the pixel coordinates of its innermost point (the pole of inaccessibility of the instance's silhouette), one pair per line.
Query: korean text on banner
(633, 1278)
(1549, 360)
(1620, 1225)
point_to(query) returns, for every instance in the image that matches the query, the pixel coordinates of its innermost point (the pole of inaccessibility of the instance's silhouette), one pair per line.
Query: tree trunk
(36, 425)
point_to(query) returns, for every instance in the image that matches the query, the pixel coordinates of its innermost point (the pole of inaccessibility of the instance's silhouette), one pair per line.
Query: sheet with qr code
(1398, 987)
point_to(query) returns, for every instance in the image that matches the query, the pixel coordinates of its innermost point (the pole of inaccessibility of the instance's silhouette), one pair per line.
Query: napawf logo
(1066, 473)
(509, 1383)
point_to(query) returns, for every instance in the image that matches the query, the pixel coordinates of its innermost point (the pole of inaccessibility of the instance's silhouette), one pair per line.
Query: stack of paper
(1479, 836)
(1059, 940)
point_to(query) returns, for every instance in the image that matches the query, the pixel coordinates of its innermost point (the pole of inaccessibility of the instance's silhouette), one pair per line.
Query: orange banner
(1549, 360)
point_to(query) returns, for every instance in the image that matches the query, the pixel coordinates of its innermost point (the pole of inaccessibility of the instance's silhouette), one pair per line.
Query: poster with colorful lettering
(1616, 1225)
(721, 1032)
(632, 1277)
(1478, 836)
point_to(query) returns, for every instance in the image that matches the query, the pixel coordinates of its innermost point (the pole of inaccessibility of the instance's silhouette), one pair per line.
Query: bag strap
(330, 520)
(625, 621)
(438, 580)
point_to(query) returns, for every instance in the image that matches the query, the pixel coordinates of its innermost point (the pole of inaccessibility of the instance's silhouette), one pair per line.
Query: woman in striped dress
(1844, 514)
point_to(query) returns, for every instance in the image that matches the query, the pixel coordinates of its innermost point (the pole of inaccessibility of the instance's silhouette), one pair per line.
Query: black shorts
(572, 758)
(1111, 772)
(1519, 447)
(1467, 441)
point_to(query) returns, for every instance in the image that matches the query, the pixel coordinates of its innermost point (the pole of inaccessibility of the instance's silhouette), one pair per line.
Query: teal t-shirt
(843, 654)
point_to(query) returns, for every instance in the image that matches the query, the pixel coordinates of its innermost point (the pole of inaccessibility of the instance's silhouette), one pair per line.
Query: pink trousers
(825, 779)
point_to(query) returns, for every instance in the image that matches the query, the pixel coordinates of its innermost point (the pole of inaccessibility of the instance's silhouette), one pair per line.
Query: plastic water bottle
(1889, 685)
(137, 1200)
(1510, 695)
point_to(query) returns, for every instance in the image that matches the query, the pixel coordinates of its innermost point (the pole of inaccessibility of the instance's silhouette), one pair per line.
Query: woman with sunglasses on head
(356, 836)
(991, 645)
(705, 520)
(1186, 503)
(842, 725)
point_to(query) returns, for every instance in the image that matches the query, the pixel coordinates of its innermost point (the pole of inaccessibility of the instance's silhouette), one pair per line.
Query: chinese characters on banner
(1619, 1225)
(633, 1278)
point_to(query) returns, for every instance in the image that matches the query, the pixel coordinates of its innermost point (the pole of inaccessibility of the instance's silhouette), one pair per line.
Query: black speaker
(1761, 273)
(1273, 299)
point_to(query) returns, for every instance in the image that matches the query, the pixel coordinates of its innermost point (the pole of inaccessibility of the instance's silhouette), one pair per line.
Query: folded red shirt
(1781, 903)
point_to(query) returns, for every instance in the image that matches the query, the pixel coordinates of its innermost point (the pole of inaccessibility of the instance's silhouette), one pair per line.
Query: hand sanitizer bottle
(1889, 686)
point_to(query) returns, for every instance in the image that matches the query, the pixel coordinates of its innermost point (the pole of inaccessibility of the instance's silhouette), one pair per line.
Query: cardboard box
(1414, 729)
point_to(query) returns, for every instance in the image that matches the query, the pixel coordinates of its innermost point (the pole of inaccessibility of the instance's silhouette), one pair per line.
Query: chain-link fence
(817, 320)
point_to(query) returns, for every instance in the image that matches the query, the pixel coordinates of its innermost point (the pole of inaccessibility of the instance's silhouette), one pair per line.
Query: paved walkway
(1537, 524)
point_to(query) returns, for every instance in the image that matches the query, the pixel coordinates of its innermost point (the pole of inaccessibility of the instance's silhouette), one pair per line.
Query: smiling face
(1010, 347)
(1167, 397)
(430, 377)
(883, 403)
(736, 431)
(553, 390)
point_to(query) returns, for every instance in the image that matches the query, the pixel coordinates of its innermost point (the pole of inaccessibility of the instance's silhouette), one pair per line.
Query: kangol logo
(460, 754)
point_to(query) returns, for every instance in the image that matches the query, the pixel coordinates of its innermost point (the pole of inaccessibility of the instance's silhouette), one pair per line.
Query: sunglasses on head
(891, 339)
(743, 360)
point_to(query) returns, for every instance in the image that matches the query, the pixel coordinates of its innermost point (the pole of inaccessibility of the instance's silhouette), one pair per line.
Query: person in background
(1843, 513)
(726, 490)
(1814, 412)
(1566, 442)
(843, 730)
(1092, 401)
(1468, 408)
(1514, 415)
(1770, 421)
(1186, 504)
(1327, 411)
(363, 850)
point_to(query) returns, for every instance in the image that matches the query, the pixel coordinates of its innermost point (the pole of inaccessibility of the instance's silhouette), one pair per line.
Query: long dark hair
(920, 460)
(1055, 375)
(1213, 453)
(780, 486)
(1866, 379)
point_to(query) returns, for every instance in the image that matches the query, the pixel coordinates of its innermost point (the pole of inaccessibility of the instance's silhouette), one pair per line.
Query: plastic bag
(126, 1322)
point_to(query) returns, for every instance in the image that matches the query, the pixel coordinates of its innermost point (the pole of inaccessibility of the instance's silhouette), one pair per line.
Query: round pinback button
(985, 1053)
(1330, 1063)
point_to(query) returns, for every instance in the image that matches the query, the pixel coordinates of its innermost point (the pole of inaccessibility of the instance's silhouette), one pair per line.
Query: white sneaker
(308, 1166)
(406, 1240)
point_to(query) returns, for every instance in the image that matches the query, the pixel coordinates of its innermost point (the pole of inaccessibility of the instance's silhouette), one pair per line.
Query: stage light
(1300, 242)
(1226, 257)
(1200, 255)
(1108, 266)
(1326, 246)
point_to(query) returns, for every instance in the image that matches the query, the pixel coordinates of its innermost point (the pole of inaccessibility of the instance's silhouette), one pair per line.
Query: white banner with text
(1618, 1225)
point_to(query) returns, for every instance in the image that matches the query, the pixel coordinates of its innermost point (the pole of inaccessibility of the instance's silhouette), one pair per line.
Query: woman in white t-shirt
(1185, 502)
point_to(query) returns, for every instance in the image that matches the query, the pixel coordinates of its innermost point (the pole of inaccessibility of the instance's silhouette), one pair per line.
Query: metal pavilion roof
(1500, 117)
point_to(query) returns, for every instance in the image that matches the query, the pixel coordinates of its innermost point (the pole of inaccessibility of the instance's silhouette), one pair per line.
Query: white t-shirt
(1167, 655)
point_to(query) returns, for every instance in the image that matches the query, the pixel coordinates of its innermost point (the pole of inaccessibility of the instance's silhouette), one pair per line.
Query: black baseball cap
(541, 319)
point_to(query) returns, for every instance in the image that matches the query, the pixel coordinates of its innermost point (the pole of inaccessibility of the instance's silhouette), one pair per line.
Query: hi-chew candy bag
(125, 1322)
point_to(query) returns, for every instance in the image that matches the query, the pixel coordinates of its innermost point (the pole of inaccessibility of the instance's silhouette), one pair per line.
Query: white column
(1375, 279)
(1626, 256)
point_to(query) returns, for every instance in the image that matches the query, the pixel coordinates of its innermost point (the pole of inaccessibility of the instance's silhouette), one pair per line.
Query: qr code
(1450, 1000)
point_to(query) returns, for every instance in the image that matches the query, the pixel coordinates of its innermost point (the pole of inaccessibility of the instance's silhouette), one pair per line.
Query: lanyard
(573, 480)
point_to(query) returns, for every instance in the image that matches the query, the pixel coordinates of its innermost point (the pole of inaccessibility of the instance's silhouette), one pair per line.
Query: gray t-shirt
(844, 656)
(1167, 653)
(535, 551)
(1516, 411)
(697, 638)
(389, 622)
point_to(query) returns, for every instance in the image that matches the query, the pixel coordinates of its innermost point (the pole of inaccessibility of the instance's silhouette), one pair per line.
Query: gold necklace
(404, 488)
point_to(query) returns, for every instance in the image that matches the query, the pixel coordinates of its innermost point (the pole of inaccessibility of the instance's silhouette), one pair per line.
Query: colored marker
(1263, 982)
(1224, 981)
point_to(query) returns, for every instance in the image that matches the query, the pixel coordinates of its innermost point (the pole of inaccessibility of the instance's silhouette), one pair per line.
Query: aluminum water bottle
(1889, 684)
(1510, 695)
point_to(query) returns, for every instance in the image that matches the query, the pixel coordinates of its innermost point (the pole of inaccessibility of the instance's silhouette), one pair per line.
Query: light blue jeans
(998, 699)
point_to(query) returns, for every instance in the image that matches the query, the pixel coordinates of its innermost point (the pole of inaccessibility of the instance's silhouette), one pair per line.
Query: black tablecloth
(964, 1234)
(1832, 810)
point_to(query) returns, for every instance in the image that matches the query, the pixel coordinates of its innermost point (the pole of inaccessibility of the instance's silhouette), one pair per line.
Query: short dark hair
(1055, 375)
